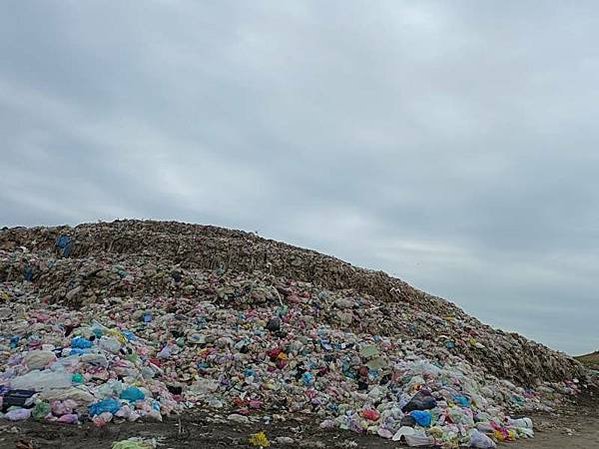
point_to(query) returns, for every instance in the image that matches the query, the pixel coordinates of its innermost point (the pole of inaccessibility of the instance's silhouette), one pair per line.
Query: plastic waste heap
(115, 322)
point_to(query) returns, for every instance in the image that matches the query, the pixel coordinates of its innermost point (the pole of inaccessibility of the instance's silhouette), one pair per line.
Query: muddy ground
(575, 427)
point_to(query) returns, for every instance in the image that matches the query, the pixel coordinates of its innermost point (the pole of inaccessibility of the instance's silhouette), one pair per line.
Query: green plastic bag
(41, 410)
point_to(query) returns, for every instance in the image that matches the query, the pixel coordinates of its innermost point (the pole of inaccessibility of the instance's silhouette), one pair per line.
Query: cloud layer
(453, 145)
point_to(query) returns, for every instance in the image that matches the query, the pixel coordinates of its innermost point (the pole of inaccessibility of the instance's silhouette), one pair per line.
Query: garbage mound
(137, 319)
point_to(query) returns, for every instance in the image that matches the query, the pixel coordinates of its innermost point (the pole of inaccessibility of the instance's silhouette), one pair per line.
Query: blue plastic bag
(462, 401)
(77, 351)
(14, 341)
(28, 274)
(80, 343)
(132, 394)
(130, 336)
(308, 378)
(64, 243)
(107, 405)
(423, 417)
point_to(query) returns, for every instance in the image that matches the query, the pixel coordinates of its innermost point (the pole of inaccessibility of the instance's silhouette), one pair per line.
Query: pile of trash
(97, 325)
(67, 374)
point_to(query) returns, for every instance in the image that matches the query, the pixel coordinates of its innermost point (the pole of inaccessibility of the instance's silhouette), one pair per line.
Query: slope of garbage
(139, 320)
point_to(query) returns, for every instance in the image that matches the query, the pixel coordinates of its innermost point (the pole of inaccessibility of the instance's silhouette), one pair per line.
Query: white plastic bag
(39, 359)
(402, 432)
(110, 344)
(42, 380)
(419, 439)
(524, 423)
(481, 441)
(19, 414)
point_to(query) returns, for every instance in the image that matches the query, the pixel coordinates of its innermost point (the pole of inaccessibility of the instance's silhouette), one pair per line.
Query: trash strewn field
(146, 321)
(576, 429)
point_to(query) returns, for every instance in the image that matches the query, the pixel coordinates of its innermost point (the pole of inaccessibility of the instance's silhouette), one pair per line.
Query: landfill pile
(139, 320)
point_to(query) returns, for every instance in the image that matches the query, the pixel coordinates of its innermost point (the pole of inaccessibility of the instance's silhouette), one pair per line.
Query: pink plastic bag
(102, 419)
(69, 418)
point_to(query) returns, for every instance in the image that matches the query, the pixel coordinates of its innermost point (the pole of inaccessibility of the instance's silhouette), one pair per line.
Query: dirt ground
(576, 427)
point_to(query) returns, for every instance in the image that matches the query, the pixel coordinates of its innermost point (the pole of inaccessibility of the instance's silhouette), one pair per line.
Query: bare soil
(576, 427)
(591, 361)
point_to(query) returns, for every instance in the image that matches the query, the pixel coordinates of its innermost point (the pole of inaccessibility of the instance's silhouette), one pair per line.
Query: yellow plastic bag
(259, 440)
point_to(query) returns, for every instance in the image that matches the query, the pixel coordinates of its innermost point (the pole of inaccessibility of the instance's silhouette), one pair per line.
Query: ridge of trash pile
(132, 320)
(136, 258)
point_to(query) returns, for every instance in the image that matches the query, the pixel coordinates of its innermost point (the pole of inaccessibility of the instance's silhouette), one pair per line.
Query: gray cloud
(452, 145)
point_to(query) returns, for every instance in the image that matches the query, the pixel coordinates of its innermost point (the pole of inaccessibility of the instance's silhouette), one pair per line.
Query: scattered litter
(259, 440)
(135, 443)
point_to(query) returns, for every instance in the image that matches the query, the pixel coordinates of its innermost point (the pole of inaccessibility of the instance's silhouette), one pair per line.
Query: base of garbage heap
(77, 366)
(576, 427)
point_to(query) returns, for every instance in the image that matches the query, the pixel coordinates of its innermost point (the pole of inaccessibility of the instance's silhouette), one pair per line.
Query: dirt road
(575, 430)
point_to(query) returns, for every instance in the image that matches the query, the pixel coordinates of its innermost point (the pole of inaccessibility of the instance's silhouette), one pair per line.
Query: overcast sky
(453, 144)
